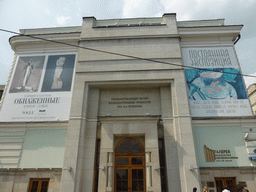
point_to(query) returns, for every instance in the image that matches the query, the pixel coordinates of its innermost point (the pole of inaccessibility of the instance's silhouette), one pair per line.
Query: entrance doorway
(230, 182)
(129, 166)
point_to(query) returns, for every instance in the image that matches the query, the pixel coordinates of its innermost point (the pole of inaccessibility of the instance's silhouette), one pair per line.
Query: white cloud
(141, 8)
(183, 8)
(61, 20)
(48, 12)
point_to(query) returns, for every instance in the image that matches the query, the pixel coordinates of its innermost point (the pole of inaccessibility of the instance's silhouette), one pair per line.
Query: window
(162, 165)
(96, 166)
(38, 185)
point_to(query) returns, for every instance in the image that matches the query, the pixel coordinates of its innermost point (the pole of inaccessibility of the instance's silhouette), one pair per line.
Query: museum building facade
(140, 104)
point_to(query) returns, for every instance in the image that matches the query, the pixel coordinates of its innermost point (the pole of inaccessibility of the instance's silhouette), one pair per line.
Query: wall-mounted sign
(40, 89)
(215, 85)
(220, 146)
(252, 158)
(129, 102)
(223, 155)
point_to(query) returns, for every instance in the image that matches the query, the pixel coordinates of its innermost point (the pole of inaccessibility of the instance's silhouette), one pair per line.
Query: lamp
(191, 168)
(102, 167)
(67, 168)
(157, 167)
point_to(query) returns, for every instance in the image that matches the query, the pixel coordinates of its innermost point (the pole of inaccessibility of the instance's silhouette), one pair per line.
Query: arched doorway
(129, 166)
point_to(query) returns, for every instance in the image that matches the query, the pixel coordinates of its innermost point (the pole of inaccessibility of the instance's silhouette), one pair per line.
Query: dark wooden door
(230, 182)
(130, 166)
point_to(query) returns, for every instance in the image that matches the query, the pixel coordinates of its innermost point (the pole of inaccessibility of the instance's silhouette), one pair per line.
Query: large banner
(214, 82)
(40, 89)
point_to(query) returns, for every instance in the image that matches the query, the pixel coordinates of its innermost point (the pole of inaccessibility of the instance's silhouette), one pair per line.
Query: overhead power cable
(118, 54)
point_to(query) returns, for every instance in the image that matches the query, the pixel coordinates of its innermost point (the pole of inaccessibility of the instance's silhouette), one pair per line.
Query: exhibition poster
(214, 82)
(40, 89)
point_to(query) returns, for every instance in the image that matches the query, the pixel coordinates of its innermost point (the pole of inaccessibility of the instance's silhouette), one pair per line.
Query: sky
(25, 14)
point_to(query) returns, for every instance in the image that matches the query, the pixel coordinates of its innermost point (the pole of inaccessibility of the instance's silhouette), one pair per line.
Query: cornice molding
(66, 37)
(36, 125)
(210, 31)
(129, 37)
(128, 119)
(223, 122)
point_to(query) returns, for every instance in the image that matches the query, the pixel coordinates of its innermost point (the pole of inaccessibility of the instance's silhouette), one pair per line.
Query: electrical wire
(119, 54)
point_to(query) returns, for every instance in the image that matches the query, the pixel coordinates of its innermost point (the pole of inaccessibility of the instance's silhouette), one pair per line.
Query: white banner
(214, 82)
(40, 89)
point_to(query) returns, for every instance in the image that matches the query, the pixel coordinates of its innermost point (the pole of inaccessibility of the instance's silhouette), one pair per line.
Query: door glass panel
(118, 186)
(133, 144)
(137, 161)
(122, 161)
(219, 185)
(137, 149)
(124, 147)
(122, 180)
(129, 146)
(125, 161)
(125, 174)
(119, 161)
(137, 180)
(230, 185)
(140, 173)
(134, 174)
(119, 174)
(122, 174)
(141, 185)
(125, 185)
(134, 185)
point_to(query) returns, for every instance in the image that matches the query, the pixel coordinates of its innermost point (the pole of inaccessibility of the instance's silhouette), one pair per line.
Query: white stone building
(252, 96)
(108, 106)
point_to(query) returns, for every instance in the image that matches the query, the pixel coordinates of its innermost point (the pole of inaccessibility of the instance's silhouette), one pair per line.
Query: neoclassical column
(170, 143)
(110, 170)
(148, 170)
(71, 178)
(183, 135)
(153, 179)
(106, 158)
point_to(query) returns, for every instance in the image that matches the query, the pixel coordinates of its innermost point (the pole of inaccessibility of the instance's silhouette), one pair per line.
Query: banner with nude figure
(40, 89)
(214, 82)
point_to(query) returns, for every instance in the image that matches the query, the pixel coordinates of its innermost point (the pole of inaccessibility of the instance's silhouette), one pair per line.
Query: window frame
(40, 180)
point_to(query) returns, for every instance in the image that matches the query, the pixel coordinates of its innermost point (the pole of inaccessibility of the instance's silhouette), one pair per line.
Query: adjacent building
(252, 97)
(1, 91)
(141, 104)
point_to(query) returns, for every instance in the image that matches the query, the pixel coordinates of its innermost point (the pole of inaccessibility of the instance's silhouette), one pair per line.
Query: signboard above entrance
(214, 82)
(129, 102)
